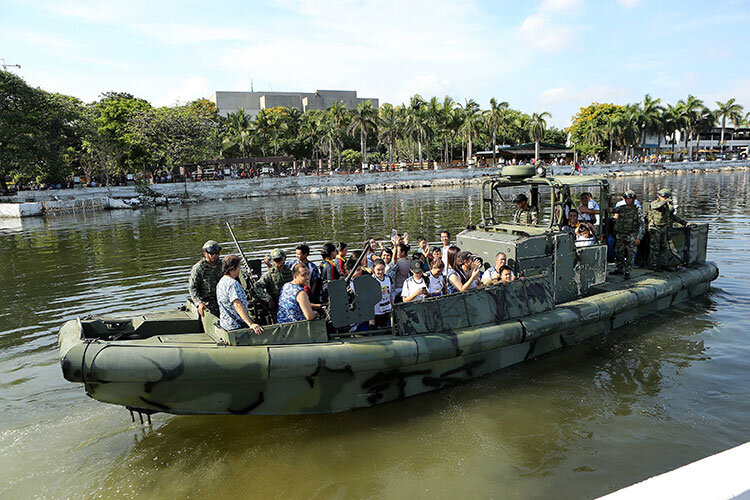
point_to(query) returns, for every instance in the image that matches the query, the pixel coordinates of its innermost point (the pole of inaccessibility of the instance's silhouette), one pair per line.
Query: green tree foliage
(594, 116)
(168, 136)
(39, 131)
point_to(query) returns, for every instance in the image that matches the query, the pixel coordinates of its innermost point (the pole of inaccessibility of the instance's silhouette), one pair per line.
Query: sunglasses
(212, 252)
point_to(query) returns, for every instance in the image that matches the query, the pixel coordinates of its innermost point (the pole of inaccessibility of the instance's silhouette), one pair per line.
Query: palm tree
(706, 122)
(388, 128)
(649, 118)
(472, 123)
(690, 111)
(495, 119)
(537, 126)
(611, 131)
(364, 119)
(451, 124)
(337, 116)
(670, 119)
(731, 110)
(240, 131)
(309, 126)
(417, 123)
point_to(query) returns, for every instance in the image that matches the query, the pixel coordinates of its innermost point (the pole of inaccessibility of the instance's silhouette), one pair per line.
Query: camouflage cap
(628, 194)
(665, 193)
(211, 246)
(519, 198)
(278, 253)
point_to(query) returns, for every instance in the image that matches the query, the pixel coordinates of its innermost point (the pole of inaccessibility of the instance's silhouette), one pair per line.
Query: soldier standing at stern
(204, 277)
(628, 233)
(661, 216)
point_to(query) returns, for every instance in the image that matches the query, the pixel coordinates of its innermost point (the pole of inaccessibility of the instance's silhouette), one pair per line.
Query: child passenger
(437, 279)
(382, 308)
(415, 287)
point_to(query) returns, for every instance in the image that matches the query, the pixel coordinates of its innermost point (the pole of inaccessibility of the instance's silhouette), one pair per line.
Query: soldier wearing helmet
(275, 278)
(204, 277)
(629, 228)
(526, 214)
(661, 216)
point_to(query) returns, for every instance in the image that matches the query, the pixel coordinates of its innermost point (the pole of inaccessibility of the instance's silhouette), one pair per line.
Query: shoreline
(50, 202)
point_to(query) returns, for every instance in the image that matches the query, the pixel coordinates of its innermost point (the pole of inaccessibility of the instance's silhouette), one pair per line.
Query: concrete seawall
(35, 203)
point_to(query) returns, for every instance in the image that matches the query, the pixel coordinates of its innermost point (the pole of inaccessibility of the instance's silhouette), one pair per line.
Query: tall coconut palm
(690, 111)
(537, 126)
(388, 128)
(309, 127)
(337, 117)
(451, 124)
(728, 110)
(670, 123)
(706, 122)
(364, 119)
(240, 131)
(472, 124)
(495, 117)
(417, 123)
(611, 131)
(649, 118)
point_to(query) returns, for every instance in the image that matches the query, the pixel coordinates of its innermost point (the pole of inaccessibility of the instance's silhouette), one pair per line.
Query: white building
(253, 102)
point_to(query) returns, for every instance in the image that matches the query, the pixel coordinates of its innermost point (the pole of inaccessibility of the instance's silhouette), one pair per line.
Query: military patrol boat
(179, 363)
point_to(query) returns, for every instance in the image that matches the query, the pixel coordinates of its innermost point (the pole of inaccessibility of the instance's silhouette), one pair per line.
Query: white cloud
(189, 90)
(629, 3)
(178, 34)
(542, 32)
(560, 5)
(552, 95)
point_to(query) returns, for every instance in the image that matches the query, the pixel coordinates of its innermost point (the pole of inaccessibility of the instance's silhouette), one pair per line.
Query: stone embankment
(34, 203)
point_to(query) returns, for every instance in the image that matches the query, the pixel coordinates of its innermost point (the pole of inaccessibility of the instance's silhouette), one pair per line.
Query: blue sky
(540, 55)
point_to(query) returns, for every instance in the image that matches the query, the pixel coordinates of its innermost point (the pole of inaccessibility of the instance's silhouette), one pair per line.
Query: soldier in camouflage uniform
(271, 282)
(661, 216)
(629, 229)
(526, 214)
(203, 279)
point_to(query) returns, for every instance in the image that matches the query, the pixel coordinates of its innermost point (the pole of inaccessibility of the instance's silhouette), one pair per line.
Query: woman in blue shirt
(232, 298)
(294, 304)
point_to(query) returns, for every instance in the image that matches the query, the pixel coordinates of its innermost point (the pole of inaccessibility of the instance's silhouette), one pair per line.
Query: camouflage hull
(180, 371)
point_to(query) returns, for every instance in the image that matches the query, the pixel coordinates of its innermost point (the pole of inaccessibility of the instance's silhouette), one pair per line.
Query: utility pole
(6, 66)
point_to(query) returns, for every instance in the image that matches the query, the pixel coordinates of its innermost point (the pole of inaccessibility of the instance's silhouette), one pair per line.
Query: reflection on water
(578, 423)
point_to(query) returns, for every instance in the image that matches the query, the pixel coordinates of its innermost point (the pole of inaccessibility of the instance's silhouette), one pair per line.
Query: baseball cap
(519, 198)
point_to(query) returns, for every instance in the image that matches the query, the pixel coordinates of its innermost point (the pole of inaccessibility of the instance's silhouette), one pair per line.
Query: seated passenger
(492, 275)
(294, 304)
(573, 222)
(232, 298)
(382, 308)
(585, 236)
(506, 275)
(457, 278)
(437, 278)
(415, 287)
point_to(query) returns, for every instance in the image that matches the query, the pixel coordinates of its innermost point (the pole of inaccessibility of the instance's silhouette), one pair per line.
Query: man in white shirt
(445, 239)
(492, 275)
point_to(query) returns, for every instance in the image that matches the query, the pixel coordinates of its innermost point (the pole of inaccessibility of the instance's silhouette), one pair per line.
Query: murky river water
(578, 423)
